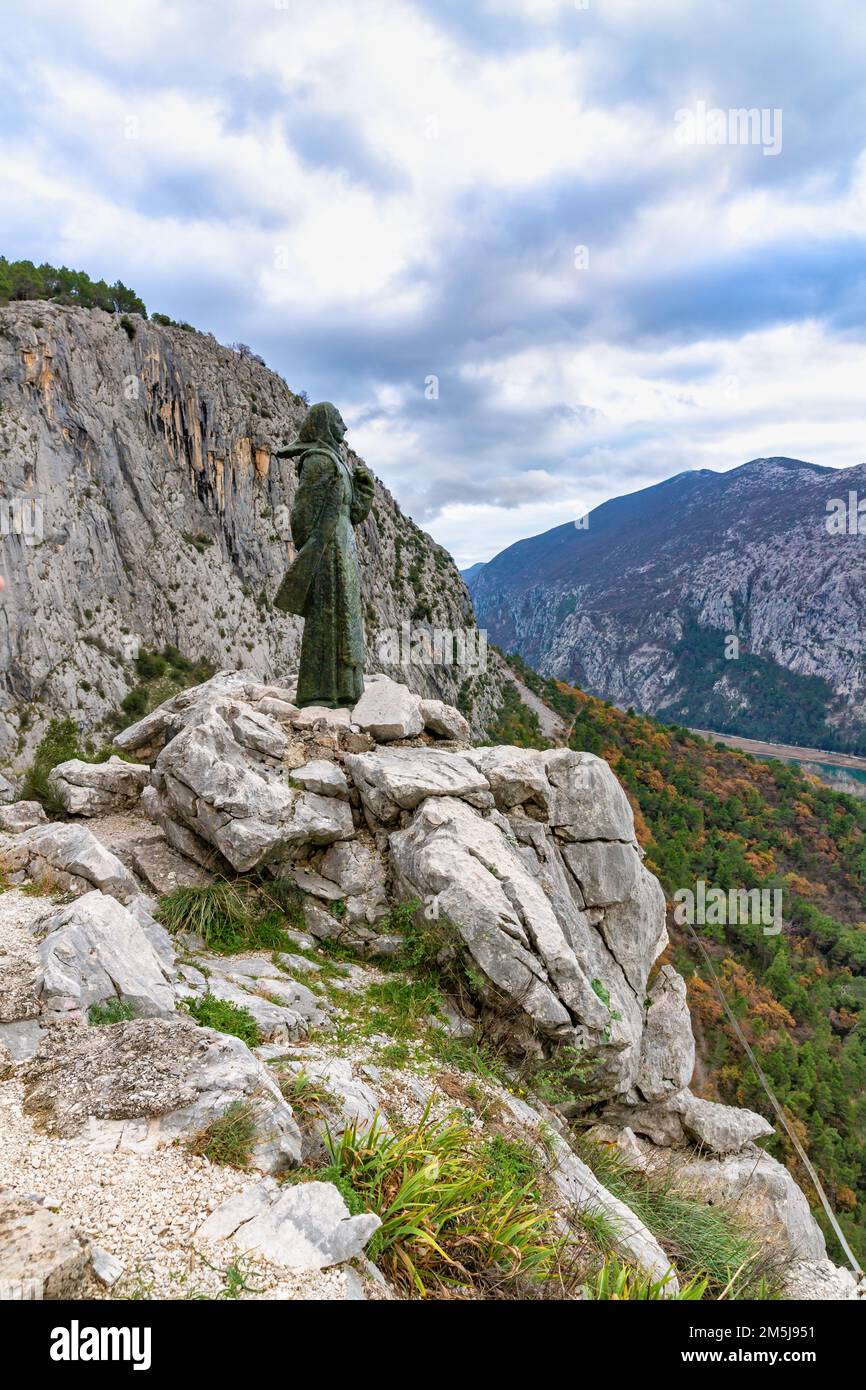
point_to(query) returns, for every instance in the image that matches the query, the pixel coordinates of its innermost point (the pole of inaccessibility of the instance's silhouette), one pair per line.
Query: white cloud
(474, 155)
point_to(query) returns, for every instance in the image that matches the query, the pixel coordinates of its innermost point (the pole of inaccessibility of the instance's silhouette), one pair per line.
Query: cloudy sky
(510, 238)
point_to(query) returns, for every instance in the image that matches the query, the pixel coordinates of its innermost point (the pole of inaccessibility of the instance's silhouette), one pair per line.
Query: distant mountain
(469, 576)
(640, 605)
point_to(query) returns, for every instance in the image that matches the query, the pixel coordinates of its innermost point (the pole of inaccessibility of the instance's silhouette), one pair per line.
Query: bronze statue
(323, 584)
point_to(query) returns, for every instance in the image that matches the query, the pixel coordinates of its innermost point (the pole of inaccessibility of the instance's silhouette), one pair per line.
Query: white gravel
(142, 1208)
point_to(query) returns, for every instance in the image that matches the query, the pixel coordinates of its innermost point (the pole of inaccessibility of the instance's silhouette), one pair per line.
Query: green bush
(58, 744)
(113, 1011)
(449, 1224)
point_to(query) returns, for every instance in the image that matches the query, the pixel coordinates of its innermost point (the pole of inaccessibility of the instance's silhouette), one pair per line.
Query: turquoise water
(842, 779)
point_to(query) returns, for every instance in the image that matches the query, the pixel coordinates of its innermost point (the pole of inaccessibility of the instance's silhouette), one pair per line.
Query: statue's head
(323, 425)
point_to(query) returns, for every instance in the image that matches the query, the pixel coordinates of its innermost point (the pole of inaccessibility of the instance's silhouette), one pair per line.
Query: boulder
(683, 1118)
(444, 720)
(94, 789)
(306, 1226)
(282, 710)
(764, 1195)
(179, 837)
(68, 856)
(354, 867)
(106, 1266)
(321, 717)
(394, 779)
(821, 1279)
(233, 796)
(41, 1255)
(163, 869)
(667, 1057)
(587, 801)
(722, 1129)
(96, 951)
(323, 777)
(388, 711)
(7, 790)
(146, 737)
(21, 815)
(465, 872)
(635, 928)
(516, 776)
(151, 1082)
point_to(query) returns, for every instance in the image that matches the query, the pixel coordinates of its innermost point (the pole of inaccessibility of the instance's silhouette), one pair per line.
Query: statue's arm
(363, 487)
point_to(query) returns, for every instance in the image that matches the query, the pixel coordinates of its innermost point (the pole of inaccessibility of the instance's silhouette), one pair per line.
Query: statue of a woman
(323, 584)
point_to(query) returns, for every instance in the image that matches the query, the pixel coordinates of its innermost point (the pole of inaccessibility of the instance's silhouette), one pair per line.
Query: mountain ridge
(743, 554)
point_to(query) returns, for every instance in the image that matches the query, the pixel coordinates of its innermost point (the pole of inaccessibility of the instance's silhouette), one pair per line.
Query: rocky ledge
(517, 869)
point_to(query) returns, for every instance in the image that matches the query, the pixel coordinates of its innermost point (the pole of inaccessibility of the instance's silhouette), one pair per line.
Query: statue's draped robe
(323, 584)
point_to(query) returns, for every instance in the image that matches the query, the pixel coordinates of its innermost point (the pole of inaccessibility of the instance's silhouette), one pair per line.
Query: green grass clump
(235, 915)
(58, 744)
(230, 1138)
(402, 1007)
(113, 1011)
(308, 1097)
(510, 1164)
(225, 1017)
(616, 1281)
(448, 1224)
(705, 1243)
(560, 1077)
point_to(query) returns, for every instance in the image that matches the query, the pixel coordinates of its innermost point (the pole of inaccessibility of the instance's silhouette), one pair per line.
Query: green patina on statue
(323, 584)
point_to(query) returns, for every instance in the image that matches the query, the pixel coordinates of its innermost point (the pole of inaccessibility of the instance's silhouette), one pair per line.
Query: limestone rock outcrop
(152, 1081)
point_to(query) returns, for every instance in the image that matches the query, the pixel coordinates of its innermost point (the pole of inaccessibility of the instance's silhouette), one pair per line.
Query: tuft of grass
(618, 1282)
(402, 1007)
(230, 1138)
(232, 916)
(307, 1096)
(448, 1227)
(225, 1017)
(705, 1243)
(113, 1011)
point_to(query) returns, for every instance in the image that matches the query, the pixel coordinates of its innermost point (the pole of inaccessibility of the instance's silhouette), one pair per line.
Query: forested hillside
(713, 813)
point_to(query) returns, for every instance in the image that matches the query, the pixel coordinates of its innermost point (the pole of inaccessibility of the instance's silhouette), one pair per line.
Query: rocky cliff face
(142, 457)
(615, 607)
